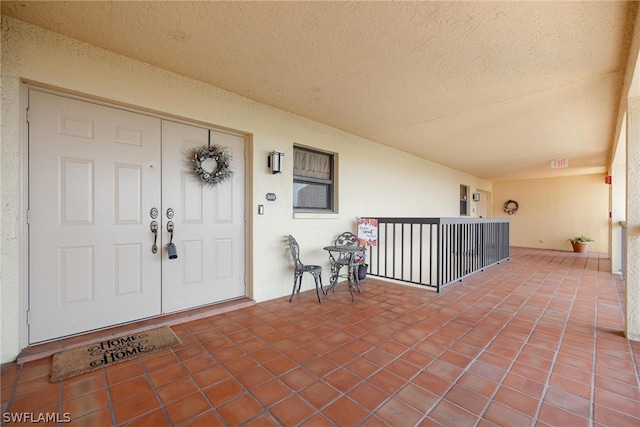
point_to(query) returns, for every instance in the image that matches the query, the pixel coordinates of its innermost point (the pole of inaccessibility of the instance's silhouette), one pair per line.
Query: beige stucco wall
(373, 180)
(553, 210)
(632, 278)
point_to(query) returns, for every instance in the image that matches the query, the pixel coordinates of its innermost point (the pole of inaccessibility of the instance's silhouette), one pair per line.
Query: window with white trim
(464, 200)
(313, 180)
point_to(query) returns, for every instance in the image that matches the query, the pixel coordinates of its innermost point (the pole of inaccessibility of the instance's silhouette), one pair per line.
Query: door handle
(170, 228)
(154, 230)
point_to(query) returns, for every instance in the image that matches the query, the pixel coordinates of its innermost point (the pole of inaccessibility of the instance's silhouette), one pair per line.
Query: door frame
(23, 226)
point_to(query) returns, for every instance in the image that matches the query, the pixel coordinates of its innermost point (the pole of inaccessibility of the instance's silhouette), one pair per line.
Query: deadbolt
(170, 213)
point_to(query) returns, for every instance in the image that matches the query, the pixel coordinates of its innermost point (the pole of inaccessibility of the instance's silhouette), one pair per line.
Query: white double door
(100, 179)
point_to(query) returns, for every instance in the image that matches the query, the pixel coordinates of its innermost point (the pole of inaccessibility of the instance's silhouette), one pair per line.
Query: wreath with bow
(222, 167)
(511, 207)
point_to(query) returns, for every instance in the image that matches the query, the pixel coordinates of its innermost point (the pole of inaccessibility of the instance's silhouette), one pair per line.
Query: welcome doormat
(77, 361)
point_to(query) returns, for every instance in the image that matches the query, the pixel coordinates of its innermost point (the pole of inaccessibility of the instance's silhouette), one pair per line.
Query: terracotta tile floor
(536, 340)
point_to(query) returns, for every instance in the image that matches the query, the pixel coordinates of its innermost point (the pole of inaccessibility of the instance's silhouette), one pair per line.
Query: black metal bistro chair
(343, 259)
(315, 270)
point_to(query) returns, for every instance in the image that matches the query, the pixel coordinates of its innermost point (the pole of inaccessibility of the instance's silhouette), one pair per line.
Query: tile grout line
(422, 369)
(60, 400)
(436, 358)
(594, 358)
(246, 390)
(494, 315)
(555, 356)
(161, 404)
(14, 388)
(110, 404)
(622, 304)
(340, 392)
(522, 346)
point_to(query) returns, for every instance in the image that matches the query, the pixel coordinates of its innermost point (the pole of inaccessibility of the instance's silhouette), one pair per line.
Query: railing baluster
(393, 259)
(420, 277)
(401, 251)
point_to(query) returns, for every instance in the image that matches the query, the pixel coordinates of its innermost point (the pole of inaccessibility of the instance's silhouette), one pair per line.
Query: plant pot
(362, 271)
(580, 247)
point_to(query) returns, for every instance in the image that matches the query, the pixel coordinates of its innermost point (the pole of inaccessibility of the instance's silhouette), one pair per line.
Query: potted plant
(360, 261)
(580, 244)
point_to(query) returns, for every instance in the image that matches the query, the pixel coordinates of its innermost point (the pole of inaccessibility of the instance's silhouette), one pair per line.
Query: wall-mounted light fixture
(476, 197)
(275, 161)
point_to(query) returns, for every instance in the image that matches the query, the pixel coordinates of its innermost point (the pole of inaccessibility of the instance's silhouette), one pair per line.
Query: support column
(618, 193)
(632, 318)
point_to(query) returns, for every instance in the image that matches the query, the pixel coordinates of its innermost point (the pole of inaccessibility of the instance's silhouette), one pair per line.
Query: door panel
(484, 204)
(94, 175)
(209, 222)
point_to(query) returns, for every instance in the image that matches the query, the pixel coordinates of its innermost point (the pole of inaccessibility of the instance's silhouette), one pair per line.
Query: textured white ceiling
(496, 89)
